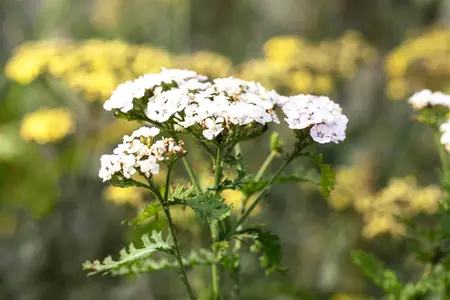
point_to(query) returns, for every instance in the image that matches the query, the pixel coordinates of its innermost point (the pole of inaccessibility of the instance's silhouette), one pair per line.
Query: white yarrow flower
(322, 116)
(135, 155)
(426, 98)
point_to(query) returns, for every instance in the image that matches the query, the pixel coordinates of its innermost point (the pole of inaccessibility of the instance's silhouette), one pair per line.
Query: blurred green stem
(443, 156)
(269, 184)
(190, 171)
(265, 165)
(176, 247)
(215, 267)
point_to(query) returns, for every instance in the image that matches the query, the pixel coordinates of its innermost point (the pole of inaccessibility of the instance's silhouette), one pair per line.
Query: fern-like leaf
(268, 244)
(208, 206)
(195, 258)
(376, 271)
(327, 175)
(129, 257)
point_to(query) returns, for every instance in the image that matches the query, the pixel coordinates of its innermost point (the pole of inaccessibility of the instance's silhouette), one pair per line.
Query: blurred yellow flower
(342, 296)
(323, 84)
(420, 62)
(283, 49)
(47, 125)
(397, 89)
(131, 195)
(206, 63)
(301, 81)
(236, 198)
(30, 60)
(401, 197)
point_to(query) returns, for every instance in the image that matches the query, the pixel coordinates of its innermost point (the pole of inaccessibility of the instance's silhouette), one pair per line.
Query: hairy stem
(215, 268)
(176, 247)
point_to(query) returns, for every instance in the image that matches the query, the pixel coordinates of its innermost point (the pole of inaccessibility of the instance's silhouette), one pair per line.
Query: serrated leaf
(181, 192)
(231, 160)
(151, 210)
(253, 187)
(268, 244)
(195, 258)
(129, 257)
(436, 280)
(327, 174)
(243, 178)
(377, 272)
(210, 207)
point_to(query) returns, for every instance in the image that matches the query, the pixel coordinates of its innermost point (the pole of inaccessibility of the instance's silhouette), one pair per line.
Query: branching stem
(262, 193)
(176, 247)
(215, 268)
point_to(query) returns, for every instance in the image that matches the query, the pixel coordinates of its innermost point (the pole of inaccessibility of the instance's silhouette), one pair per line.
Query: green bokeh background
(52, 213)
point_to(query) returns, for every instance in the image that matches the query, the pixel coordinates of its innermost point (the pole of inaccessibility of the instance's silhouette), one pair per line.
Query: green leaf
(122, 182)
(151, 210)
(231, 160)
(433, 116)
(327, 174)
(210, 207)
(181, 192)
(253, 187)
(301, 175)
(200, 257)
(433, 280)
(376, 271)
(242, 179)
(129, 257)
(268, 244)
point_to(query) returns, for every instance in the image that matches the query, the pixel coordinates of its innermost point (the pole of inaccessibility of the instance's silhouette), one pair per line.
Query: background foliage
(60, 59)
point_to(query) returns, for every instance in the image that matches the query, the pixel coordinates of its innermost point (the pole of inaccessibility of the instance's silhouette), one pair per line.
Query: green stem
(215, 271)
(261, 194)
(444, 161)
(176, 247)
(265, 165)
(190, 171)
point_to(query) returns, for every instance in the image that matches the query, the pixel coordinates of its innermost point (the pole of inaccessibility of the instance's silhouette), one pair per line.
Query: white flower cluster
(319, 113)
(426, 98)
(123, 96)
(445, 138)
(187, 99)
(138, 153)
(228, 102)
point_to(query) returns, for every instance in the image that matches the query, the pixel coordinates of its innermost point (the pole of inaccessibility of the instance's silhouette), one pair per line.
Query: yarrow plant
(429, 242)
(219, 114)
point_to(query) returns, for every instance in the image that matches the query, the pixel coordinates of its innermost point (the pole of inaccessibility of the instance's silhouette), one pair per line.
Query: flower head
(124, 96)
(184, 98)
(319, 114)
(426, 98)
(139, 153)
